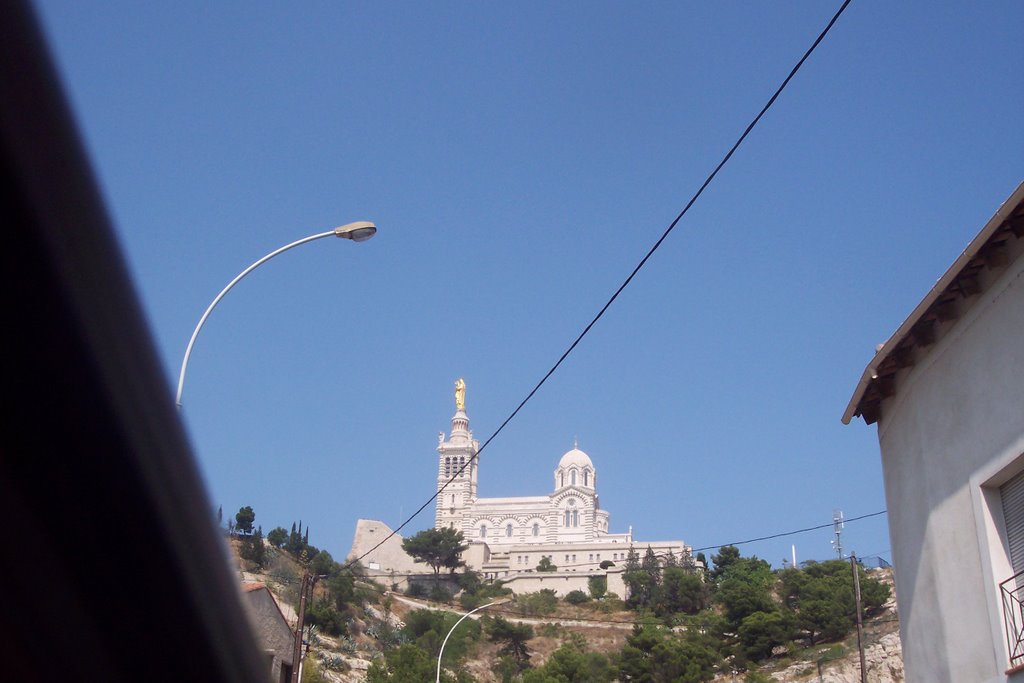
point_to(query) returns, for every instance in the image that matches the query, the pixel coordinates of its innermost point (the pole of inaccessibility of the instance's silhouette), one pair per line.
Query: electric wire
(788, 533)
(626, 282)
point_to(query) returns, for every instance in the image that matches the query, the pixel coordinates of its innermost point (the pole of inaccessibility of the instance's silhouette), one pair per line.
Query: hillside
(377, 621)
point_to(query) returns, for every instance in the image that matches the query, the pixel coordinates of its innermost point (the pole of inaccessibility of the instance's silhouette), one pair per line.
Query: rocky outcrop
(884, 660)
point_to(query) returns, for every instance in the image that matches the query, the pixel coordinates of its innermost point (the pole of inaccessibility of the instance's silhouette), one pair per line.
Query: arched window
(586, 477)
(574, 477)
(561, 479)
(483, 531)
(453, 499)
(568, 517)
(462, 464)
(575, 517)
(447, 467)
(508, 530)
(536, 529)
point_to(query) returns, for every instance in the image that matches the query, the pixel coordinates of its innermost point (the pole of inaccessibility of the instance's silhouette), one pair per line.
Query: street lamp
(452, 630)
(360, 231)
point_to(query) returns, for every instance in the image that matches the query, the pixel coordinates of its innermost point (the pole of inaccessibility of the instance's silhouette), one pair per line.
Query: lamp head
(360, 231)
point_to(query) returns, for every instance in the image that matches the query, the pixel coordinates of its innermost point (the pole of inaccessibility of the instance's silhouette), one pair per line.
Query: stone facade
(510, 536)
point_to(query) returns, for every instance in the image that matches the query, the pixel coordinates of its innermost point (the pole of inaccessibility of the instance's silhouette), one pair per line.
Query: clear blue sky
(520, 158)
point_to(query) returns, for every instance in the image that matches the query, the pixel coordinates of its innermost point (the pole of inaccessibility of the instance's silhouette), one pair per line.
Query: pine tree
(632, 560)
(651, 566)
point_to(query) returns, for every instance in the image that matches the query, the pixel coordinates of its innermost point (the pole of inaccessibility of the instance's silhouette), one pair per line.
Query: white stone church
(508, 537)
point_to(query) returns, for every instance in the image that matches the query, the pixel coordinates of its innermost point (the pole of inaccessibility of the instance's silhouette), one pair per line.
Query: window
(561, 479)
(536, 529)
(591, 558)
(447, 467)
(574, 477)
(483, 531)
(508, 530)
(1012, 496)
(462, 464)
(586, 477)
(1011, 587)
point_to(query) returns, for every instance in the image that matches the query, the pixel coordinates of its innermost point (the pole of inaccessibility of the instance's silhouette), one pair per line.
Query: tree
(277, 537)
(405, 664)
(343, 589)
(546, 565)
(437, 548)
(323, 564)
(821, 598)
(244, 519)
(680, 591)
(641, 578)
(761, 632)
(253, 549)
(652, 655)
(727, 555)
(597, 586)
(514, 637)
(571, 663)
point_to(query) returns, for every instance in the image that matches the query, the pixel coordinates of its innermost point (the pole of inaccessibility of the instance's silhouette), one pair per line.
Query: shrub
(544, 601)
(439, 594)
(577, 597)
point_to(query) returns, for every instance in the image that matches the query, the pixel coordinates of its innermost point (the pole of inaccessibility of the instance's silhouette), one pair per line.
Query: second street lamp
(360, 231)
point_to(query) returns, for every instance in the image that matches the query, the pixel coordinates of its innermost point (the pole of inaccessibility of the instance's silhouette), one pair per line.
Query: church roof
(576, 457)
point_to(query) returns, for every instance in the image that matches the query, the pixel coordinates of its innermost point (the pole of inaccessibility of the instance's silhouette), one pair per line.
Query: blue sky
(519, 159)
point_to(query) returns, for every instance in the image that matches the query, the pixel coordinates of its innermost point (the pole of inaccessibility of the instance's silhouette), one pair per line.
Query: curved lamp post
(452, 630)
(360, 231)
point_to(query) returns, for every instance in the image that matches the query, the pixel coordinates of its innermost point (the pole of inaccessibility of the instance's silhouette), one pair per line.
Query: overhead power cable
(788, 533)
(625, 283)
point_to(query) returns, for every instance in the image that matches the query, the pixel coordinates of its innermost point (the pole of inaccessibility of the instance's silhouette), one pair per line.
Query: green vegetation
(437, 548)
(244, 519)
(691, 622)
(546, 565)
(571, 663)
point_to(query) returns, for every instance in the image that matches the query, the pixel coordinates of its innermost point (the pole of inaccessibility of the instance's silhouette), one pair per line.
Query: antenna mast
(837, 529)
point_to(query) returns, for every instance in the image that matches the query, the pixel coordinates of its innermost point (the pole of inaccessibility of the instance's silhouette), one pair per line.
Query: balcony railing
(1012, 591)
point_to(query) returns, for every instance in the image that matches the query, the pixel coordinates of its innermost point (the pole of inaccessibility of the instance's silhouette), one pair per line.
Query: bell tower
(456, 461)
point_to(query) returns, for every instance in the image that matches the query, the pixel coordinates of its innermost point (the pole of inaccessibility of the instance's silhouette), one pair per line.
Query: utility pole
(860, 624)
(297, 651)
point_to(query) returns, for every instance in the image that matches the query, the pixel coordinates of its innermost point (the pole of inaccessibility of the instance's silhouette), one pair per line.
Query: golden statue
(460, 394)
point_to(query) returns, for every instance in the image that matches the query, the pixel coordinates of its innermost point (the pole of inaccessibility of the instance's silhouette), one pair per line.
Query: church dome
(576, 457)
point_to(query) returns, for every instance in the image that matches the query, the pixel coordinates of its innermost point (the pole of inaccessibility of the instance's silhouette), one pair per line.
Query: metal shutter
(1012, 494)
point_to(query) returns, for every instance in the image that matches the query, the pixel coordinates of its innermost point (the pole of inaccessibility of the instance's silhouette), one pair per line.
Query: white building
(508, 537)
(947, 393)
(511, 535)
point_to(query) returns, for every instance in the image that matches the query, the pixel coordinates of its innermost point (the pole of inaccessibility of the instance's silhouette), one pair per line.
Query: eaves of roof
(948, 299)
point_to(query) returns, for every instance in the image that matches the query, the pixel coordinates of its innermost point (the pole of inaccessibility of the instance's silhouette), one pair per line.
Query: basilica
(509, 537)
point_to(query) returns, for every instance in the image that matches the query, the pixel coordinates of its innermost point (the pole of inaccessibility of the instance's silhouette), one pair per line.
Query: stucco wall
(272, 632)
(956, 421)
(563, 582)
(389, 556)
